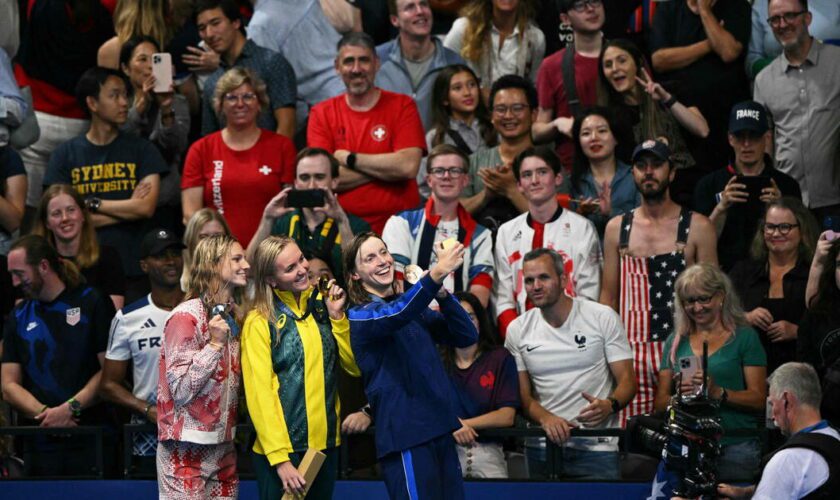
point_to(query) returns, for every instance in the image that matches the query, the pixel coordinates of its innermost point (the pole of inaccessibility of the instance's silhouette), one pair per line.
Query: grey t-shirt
(417, 69)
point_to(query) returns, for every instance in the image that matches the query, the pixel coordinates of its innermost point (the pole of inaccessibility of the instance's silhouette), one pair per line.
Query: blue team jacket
(406, 386)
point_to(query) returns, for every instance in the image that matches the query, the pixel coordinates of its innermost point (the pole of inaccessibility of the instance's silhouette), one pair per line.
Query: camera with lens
(687, 440)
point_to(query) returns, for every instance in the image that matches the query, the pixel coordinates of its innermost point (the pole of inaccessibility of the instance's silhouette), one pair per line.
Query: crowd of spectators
(601, 188)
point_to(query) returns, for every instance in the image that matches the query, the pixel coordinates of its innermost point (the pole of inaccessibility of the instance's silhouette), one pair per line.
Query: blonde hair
(479, 14)
(205, 275)
(233, 79)
(264, 267)
(191, 234)
(707, 279)
(88, 245)
(142, 17)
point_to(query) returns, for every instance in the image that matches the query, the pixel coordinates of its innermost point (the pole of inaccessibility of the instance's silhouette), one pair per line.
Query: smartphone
(754, 185)
(309, 198)
(831, 223)
(689, 366)
(162, 71)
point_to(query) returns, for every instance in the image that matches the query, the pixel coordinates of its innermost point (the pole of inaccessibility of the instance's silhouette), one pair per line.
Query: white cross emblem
(265, 170)
(379, 132)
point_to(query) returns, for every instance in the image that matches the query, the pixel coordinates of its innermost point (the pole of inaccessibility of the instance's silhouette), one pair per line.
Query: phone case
(162, 71)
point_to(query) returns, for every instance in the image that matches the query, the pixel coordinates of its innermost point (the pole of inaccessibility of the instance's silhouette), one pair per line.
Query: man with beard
(800, 468)
(375, 135)
(575, 369)
(644, 251)
(54, 347)
(135, 337)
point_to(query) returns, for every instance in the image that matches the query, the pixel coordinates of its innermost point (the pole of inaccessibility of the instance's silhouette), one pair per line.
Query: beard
(655, 194)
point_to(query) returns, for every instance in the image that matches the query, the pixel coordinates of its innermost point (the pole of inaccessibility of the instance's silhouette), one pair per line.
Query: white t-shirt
(136, 336)
(563, 362)
(794, 473)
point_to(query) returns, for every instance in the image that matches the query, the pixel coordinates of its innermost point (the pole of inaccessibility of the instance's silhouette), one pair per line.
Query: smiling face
(620, 69)
(512, 117)
(25, 278)
(291, 271)
(702, 306)
(589, 20)
(164, 269)
(596, 138)
(414, 18)
(463, 95)
(374, 267)
(139, 67)
(234, 268)
(217, 31)
(447, 188)
(542, 284)
(789, 34)
(64, 218)
(778, 243)
(357, 67)
(240, 106)
(537, 181)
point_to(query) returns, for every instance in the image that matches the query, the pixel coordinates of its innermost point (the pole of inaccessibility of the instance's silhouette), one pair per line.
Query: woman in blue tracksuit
(393, 337)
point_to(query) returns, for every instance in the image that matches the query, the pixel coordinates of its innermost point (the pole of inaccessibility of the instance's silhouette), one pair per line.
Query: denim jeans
(574, 463)
(739, 461)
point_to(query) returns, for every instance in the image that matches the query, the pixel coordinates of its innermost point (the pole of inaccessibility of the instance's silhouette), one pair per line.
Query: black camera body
(688, 440)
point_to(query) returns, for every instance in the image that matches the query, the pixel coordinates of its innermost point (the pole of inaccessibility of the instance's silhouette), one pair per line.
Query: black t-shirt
(110, 172)
(675, 25)
(57, 343)
(741, 220)
(106, 274)
(818, 340)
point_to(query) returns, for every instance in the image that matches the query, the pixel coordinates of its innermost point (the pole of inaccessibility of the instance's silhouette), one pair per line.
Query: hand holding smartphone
(162, 71)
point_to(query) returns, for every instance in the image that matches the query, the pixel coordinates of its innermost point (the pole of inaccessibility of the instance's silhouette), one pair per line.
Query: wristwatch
(92, 204)
(75, 407)
(367, 411)
(351, 161)
(616, 406)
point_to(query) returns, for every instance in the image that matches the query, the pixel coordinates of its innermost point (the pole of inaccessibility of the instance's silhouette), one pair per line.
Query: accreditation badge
(74, 314)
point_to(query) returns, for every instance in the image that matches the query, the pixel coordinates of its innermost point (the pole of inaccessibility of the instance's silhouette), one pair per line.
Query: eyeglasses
(703, 300)
(247, 98)
(441, 172)
(581, 5)
(789, 17)
(783, 228)
(516, 109)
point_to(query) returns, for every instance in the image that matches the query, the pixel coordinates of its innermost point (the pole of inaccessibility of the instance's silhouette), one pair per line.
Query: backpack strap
(568, 69)
(459, 141)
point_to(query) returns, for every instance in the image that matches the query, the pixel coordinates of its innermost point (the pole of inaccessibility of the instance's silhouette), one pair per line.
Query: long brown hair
(651, 115)
(441, 112)
(205, 281)
(356, 291)
(479, 14)
(88, 245)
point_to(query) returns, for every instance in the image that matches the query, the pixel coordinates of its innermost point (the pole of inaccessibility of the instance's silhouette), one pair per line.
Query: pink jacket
(198, 386)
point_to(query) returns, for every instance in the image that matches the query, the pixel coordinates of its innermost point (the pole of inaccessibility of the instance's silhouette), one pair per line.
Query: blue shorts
(429, 471)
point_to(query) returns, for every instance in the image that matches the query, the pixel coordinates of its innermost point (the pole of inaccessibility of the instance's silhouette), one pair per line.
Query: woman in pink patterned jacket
(199, 378)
